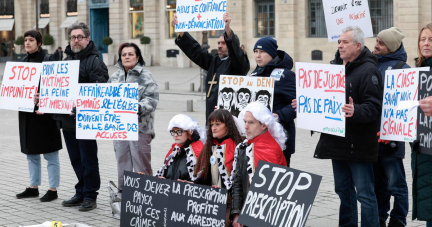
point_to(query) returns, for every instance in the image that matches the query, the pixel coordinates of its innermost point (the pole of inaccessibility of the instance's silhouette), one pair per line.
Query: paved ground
(14, 171)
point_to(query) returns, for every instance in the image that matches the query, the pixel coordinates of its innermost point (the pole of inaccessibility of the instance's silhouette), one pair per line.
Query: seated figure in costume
(180, 161)
(265, 140)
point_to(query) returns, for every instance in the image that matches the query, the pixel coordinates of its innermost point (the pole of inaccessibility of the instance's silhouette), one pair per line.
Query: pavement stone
(14, 171)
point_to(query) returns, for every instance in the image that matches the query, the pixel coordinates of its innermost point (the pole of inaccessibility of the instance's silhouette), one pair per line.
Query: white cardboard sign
(20, 83)
(320, 95)
(340, 14)
(202, 15)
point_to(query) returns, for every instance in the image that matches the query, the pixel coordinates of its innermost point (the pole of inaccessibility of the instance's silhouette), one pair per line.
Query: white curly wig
(263, 115)
(186, 123)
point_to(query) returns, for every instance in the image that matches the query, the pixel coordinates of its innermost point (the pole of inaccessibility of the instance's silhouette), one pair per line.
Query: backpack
(399, 65)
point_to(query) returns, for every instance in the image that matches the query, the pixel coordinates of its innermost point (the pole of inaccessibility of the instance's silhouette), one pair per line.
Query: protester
(421, 163)
(353, 155)
(275, 63)
(58, 54)
(39, 134)
(265, 140)
(136, 155)
(182, 157)
(4, 47)
(83, 153)
(389, 171)
(230, 59)
(215, 162)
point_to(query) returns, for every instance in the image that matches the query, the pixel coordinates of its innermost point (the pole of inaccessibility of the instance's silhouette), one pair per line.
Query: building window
(170, 11)
(137, 18)
(381, 12)
(71, 8)
(317, 55)
(44, 8)
(264, 18)
(216, 33)
(317, 26)
(6, 9)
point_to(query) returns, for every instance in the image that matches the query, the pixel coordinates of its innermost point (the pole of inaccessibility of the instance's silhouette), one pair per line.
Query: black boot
(49, 196)
(74, 201)
(87, 205)
(395, 223)
(28, 193)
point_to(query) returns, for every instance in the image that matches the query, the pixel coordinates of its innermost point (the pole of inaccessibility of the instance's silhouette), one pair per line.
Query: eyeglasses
(178, 132)
(77, 37)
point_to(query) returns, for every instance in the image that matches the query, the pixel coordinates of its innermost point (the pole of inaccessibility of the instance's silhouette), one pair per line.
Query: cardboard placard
(340, 14)
(202, 15)
(399, 85)
(59, 84)
(279, 196)
(107, 111)
(20, 83)
(320, 92)
(162, 202)
(424, 123)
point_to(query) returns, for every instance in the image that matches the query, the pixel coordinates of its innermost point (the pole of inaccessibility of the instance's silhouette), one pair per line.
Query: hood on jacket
(364, 56)
(282, 60)
(91, 49)
(399, 55)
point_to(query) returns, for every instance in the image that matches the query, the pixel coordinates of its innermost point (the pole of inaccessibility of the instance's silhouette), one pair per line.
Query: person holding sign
(421, 163)
(265, 140)
(230, 60)
(353, 155)
(136, 155)
(39, 134)
(215, 162)
(83, 153)
(389, 171)
(272, 62)
(181, 159)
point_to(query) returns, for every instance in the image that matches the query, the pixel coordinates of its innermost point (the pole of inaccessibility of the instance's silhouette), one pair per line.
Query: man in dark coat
(230, 59)
(83, 153)
(353, 155)
(58, 54)
(389, 171)
(275, 63)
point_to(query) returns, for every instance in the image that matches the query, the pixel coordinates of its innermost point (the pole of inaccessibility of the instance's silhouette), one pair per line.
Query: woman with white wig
(180, 161)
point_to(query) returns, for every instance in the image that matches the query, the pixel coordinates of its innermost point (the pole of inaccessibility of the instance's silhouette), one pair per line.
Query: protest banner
(424, 123)
(235, 92)
(59, 84)
(203, 15)
(150, 201)
(340, 14)
(399, 85)
(20, 83)
(279, 196)
(320, 96)
(107, 111)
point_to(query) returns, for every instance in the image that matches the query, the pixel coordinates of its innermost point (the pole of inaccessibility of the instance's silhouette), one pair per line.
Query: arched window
(317, 55)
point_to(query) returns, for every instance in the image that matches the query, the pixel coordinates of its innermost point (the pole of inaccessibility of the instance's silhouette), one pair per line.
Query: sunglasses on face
(178, 132)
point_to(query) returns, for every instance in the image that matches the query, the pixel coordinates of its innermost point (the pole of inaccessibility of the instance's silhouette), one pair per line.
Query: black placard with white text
(424, 123)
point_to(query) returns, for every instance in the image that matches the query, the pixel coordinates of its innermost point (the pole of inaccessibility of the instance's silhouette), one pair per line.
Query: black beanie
(267, 44)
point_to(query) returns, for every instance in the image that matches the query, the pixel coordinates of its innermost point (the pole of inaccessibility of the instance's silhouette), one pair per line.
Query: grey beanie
(392, 38)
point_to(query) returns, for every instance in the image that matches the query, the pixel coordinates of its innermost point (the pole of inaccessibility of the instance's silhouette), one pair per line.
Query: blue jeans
(355, 181)
(390, 181)
(84, 160)
(53, 167)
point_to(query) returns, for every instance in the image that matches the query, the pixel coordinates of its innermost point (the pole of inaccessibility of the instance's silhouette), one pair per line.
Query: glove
(139, 113)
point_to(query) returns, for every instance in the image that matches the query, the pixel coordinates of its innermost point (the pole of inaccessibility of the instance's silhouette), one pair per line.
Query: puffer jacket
(363, 83)
(148, 96)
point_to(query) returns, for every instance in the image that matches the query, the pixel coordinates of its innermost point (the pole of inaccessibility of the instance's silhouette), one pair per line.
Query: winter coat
(92, 70)
(237, 63)
(263, 147)
(284, 93)
(422, 175)
(363, 84)
(148, 93)
(388, 62)
(39, 134)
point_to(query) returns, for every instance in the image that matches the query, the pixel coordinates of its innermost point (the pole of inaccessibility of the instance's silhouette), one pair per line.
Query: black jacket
(92, 70)
(363, 83)
(284, 93)
(236, 64)
(38, 133)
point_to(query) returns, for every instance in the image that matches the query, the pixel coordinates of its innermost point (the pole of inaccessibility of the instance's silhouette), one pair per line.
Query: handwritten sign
(320, 97)
(107, 111)
(200, 15)
(399, 85)
(279, 196)
(340, 14)
(20, 83)
(424, 123)
(59, 84)
(150, 201)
